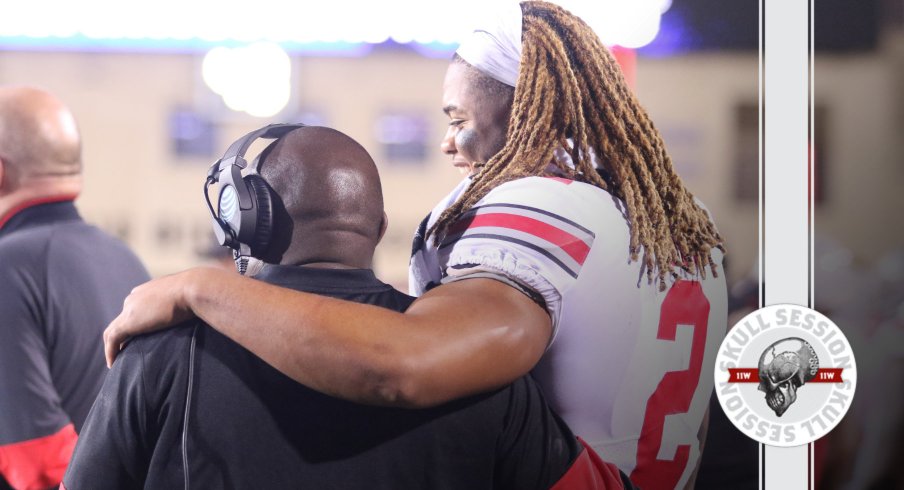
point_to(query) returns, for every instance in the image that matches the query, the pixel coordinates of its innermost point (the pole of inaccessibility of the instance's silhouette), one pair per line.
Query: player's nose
(447, 145)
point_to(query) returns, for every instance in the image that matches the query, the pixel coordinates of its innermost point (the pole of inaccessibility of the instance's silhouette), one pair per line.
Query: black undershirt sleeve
(536, 447)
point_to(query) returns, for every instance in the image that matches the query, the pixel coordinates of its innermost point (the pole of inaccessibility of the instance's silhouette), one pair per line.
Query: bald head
(332, 203)
(38, 136)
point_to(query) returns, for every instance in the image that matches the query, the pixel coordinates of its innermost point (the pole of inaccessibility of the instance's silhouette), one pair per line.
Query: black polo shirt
(61, 282)
(249, 426)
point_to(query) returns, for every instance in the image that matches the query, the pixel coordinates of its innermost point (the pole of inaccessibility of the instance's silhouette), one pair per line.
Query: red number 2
(685, 304)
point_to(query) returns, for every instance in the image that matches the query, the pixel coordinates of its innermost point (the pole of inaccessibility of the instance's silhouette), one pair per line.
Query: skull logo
(784, 367)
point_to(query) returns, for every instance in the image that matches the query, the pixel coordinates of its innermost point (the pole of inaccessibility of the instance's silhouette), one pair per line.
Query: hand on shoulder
(157, 304)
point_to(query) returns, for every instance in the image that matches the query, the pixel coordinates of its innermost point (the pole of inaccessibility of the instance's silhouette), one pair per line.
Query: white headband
(494, 47)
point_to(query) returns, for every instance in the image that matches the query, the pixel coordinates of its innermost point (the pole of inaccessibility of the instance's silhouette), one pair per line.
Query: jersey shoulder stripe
(529, 210)
(562, 241)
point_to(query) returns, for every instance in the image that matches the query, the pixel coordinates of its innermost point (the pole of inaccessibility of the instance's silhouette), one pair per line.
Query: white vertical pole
(785, 227)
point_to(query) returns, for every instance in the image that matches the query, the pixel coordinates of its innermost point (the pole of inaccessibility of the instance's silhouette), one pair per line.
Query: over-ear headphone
(243, 220)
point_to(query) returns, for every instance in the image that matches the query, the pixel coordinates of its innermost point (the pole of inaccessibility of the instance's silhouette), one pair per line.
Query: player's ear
(384, 224)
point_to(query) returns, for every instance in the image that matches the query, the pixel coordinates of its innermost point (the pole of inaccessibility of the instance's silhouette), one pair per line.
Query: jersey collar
(38, 211)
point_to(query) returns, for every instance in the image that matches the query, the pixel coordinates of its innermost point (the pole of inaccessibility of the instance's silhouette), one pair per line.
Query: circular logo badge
(785, 375)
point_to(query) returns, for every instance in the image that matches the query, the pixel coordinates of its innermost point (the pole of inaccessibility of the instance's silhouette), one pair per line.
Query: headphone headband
(235, 154)
(244, 214)
(272, 131)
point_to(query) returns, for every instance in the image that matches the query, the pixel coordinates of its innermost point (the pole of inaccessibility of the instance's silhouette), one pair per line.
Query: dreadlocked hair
(570, 87)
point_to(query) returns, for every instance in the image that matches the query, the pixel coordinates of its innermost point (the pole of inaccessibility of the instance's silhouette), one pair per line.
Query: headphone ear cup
(263, 200)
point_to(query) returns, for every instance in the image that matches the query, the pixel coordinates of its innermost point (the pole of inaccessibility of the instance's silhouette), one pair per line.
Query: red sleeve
(38, 463)
(589, 472)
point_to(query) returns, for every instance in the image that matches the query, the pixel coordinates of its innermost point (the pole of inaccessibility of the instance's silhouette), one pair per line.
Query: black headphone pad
(263, 202)
(246, 224)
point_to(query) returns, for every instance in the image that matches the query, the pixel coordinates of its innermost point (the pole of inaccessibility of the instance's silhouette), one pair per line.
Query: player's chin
(463, 168)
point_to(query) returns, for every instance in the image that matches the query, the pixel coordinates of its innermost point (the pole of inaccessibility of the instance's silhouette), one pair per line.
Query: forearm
(366, 353)
(306, 336)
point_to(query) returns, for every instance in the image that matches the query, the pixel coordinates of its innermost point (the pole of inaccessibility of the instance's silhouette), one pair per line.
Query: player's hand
(154, 305)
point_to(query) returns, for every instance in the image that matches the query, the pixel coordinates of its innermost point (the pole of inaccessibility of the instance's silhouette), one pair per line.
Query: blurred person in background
(191, 408)
(571, 243)
(867, 302)
(61, 281)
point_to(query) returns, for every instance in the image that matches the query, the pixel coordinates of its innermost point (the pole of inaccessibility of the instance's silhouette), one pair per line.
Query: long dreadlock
(570, 87)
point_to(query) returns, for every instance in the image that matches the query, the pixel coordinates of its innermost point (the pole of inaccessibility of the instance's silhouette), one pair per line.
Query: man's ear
(384, 224)
(7, 177)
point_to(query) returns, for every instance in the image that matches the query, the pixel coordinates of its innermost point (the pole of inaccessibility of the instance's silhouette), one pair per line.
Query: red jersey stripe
(38, 463)
(572, 245)
(561, 179)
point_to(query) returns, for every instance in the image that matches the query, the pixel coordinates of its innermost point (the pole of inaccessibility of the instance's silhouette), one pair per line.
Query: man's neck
(39, 189)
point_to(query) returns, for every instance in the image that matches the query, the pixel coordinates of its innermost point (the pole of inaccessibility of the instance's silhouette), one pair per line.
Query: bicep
(488, 334)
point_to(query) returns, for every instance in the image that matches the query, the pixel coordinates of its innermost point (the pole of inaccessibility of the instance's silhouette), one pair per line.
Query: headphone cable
(188, 393)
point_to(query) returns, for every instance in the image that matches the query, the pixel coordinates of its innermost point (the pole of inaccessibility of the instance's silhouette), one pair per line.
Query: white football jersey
(629, 368)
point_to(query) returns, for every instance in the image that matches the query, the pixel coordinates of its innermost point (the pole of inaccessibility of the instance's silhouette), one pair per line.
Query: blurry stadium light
(297, 26)
(626, 23)
(255, 79)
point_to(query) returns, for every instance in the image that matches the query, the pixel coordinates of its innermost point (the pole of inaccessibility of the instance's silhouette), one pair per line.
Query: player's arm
(461, 338)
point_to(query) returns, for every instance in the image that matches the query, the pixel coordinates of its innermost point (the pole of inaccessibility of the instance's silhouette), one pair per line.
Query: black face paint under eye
(466, 141)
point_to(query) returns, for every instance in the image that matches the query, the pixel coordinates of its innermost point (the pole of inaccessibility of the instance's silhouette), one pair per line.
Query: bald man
(61, 281)
(193, 398)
